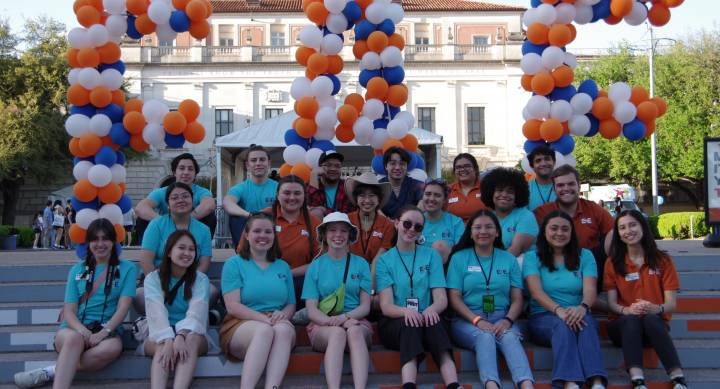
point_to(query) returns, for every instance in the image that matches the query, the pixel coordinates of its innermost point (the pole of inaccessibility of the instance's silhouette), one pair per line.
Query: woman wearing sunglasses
(411, 284)
(442, 229)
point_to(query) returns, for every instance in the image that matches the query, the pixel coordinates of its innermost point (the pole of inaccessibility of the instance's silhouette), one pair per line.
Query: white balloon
(559, 159)
(326, 117)
(583, 13)
(311, 36)
(165, 32)
(114, 7)
(84, 217)
(638, 14)
(100, 124)
(570, 160)
(370, 61)
(529, 17)
(531, 63)
(525, 114)
(79, 38)
(154, 134)
(99, 175)
(375, 13)
(89, 78)
(116, 25)
(300, 88)
(98, 35)
(552, 57)
(325, 133)
(294, 154)
(418, 174)
(546, 14)
(395, 13)
(321, 86)
(538, 107)
(373, 109)
(327, 102)
(334, 6)
(397, 128)
(76, 125)
(159, 12)
(331, 44)
(363, 130)
(624, 112)
(619, 91)
(111, 212)
(81, 169)
(119, 174)
(111, 78)
(391, 56)
(73, 75)
(570, 60)
(525, 164)
(581, 103)
(565, 13)
(154, 111)
(378, 138)
(336, 23)
(561, 110)
(406, 117)
(312, 157)
(579, 125)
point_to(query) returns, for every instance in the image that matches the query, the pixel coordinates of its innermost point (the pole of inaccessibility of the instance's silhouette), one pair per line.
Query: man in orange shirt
(464, 196)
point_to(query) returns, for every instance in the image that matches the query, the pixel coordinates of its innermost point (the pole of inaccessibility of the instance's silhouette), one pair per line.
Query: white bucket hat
(337, 217)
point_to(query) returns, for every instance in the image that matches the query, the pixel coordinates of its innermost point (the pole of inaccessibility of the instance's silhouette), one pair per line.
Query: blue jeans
(485, 345)
(576, 355)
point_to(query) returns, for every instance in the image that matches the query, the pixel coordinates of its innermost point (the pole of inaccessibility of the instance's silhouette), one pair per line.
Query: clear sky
(690, 17)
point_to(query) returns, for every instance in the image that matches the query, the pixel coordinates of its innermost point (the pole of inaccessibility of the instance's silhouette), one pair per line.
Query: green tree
(686, 77)
(32, 107)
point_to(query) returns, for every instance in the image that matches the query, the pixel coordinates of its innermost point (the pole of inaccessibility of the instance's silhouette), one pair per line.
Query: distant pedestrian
(69, 220)
(129, 224)
(58, 225)
(38, 225)
(47, 225)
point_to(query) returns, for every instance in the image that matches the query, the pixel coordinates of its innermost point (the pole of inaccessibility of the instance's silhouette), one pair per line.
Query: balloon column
(375, 119)
(101, 121)
(558, 109)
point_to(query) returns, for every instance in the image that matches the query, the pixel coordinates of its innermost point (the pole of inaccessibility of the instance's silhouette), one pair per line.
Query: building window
(480, 43)
(223, 121)
(277, 35)
(476, 125)
(422, 37)
(426, 118)
(272, 112)
(225, 34)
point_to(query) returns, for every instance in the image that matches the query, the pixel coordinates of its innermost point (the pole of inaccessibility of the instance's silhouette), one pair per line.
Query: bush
(4, 230)
(676, 225)
(26, 237)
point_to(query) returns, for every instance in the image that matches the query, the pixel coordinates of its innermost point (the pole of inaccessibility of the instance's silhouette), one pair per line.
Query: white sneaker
(32, 378)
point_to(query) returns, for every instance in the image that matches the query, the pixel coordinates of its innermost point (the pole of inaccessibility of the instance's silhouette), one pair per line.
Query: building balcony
(286, 54)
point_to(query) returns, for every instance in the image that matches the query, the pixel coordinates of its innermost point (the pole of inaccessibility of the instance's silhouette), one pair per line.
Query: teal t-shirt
(467, 273)
(158, 196)
(178, 309)
(123, 286)
(252, 197)
(325, 274)
(565, 287)
(427, 273)
(262, 290)
(519, 221)
(160, 228)
(540, 194)
(448, 228)
(330, 193)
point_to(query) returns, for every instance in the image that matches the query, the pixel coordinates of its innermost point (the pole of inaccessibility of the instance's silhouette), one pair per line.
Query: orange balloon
(409, 142)
(647, 111)
(77, 95)
(573, 31)
(364, 3)
(306, 107)
(144, 25)
(602, 108)
(119, 232)
(84, 191)
(661, 105)
(542, 83)
(306, 128)
(107, 141)
(391, 143)
(397, 95)
(526, 82)
(118, 97)
(135, 105)
(317, 13)
(610, 128)
(563, 76)
(196, 10)
(310, 75)
(285, 170)
(180, 4)
(396, 40)
(302, 170)
(100, 97)
(305, 3)
(377, 88)
(77, 234)
(208, 7)
(621, 8)
(378, 152)
(344, 134)
(174, 123)
(74, 147)
(356, 100)
(650, 128)
(537, 33)
(79, 3)
(613, 20)
(302, 54)
(360, 48)
(639, 95)
(673, 3)
(531, 129)
(87, 15)
(137, 7)
(559, 35)
(137, 143)
(190, 109)
(90, 143)
(551, 130)
(347, 115)
(317, 63)
(335, 64)
(658, 15)
(377, 41)
(199, 29)
(88, 57)
(72, 58)
(194, 132)
(109, 53)
(134, 122)
(110, 193)
(602, 93)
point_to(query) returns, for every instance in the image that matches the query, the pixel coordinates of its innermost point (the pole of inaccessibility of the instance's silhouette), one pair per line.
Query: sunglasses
(407, 224)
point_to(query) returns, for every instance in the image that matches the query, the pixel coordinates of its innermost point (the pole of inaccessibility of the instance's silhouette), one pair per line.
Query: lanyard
(412, 294)
(364, 243)
(492, 263)
(544, 200)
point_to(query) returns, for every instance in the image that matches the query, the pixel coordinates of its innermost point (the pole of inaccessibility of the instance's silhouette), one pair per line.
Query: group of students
(434, 265)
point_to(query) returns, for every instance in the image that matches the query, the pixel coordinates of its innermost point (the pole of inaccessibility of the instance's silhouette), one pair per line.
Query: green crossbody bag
(334, 303)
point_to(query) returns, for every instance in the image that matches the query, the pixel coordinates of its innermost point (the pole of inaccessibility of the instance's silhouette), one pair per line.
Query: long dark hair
(405, 209)
(472, 160)
(303, 208)
(571, 251)
(244, 245)
(618, 248)
(97, 226)
(466, 240)
(165, 269)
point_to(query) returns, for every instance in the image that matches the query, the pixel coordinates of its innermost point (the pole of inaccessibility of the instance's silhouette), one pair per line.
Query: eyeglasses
(463, 167)
(184, 196)
(407, 224)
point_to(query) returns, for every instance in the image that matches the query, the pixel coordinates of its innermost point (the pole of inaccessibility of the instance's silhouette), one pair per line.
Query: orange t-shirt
(370, 242)
(643, 283)
(592, 222)
(294, 239)
(464, 206)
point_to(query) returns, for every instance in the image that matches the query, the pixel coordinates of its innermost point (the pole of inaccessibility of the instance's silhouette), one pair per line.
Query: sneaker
(638, 383)
(300, 318)
(214, 317)
(32, 378)
(679, 382)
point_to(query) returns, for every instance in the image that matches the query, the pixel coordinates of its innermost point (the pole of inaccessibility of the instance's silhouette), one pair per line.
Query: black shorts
(414, 342)
(128, 228)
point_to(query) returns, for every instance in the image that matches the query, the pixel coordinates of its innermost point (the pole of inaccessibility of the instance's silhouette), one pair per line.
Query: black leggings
(413, 342)
(632, 332)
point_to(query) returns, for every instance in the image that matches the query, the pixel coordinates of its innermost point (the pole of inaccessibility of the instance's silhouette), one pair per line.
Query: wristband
(662, 308)
(181, 334)
(109, 331)
(476, 320)
(556, 308)
(587, 307)
(511, 321)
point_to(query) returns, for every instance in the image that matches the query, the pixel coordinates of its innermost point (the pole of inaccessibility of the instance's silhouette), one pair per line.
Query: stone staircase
(31, 293)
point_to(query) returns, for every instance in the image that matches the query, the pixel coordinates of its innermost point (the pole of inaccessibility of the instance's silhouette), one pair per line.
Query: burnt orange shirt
(592, 222)
(643, 283)
(370, 242)
(294, 239)
(464, 206)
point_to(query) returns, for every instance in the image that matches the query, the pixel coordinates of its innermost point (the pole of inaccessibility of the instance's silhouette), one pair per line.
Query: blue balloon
(564, 145)
(413, 161)
(78, 205)
(387, 26)
(352, 11)
(589, 87)
(324, 145)
(106, 156)
(118, 249)
(601, 10)
(112, 111)
(366, 75)
(594, 125)
(377, 165)
(81, 250)
(87, 110)
(179, 21)
(635, 130)
(336, 82)
(78, 159)
(132, 32)
(120, 157)
(394, 75)
(380, 123)
(535, 3)
(292, 138)
(529, 47)
(530, 145)
(174, 141)
(119, 66)
(420, 162)
(363, 29)
(565, 93)
(119, 135)
(391, 111)
(124, 203)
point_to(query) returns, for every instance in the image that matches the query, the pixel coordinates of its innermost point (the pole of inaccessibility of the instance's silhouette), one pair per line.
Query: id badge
(488, 302)
(413, 304)
(632, 276)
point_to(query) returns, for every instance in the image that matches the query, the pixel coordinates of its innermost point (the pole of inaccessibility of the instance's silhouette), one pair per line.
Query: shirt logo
(586, 220)
(282, 276)
(453, 200)
(304, 233)
(269, 200)
(424, 268)
(278, 228)
(511, 229)
(577, 274)
(654, 272)
(377, 234)
(355, 276)
(446, 234)
(502, 272)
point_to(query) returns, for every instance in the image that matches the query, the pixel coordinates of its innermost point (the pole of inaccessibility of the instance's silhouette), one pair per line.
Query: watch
(109, 331)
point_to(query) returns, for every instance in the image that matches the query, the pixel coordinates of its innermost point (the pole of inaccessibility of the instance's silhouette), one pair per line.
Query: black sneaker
(214, 317)
(638, 383)
(679, 382)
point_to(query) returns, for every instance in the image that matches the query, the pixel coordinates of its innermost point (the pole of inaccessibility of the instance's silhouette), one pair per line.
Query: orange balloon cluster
(198, 11)
(658, 14)
(556, 35)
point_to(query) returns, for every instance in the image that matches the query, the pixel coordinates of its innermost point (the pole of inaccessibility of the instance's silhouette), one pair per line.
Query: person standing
(58, 226)
(38, 225)
(327, 193)
(542, 161)
(69, 220)
(48, 235)
(405, 190)
(464, 198)
(129, 225)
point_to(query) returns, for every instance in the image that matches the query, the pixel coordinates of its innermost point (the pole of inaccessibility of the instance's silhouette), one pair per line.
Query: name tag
(304, 233)
(453, 200)
(653, 272)
(474, 269)
(586, 220)
(377, 234)
(477, 195)
(412, 304)
(278, 229)
(632, 276)
(80, 276)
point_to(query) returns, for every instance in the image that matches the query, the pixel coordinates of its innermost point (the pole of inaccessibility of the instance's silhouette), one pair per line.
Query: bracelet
(587, 307)
(476, 320)
(511, 321)
(662, 308)
(556, 308)
(181, 334)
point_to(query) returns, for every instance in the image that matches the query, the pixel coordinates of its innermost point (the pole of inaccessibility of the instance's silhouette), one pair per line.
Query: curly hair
(503, 177)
